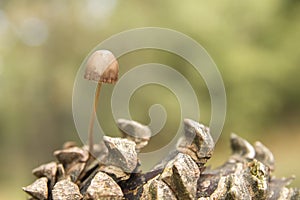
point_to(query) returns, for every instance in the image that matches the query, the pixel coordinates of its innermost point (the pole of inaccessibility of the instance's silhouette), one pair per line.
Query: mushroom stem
(93, 116)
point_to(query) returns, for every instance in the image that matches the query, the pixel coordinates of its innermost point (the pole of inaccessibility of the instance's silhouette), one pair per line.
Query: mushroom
(101, 67)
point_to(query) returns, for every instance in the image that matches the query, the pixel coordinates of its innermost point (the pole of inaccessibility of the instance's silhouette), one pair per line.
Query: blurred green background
(255, 44)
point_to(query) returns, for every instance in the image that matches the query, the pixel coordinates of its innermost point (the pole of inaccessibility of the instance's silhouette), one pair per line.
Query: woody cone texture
(115, 174)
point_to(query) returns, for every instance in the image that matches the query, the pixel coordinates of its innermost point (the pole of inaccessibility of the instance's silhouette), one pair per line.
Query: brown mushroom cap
(102, 66)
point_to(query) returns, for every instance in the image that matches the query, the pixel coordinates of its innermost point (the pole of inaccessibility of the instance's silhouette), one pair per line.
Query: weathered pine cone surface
(113, 173)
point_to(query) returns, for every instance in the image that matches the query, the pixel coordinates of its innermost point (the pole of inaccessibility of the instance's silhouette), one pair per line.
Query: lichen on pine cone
(113, 171)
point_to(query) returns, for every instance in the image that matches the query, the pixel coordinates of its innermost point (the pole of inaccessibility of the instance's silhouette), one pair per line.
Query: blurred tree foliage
(255, 44)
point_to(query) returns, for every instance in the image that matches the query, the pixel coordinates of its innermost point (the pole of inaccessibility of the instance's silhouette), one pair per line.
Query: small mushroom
(101, 67)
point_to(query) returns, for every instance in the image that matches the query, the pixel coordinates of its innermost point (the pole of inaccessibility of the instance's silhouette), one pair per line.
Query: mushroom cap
(102, 66)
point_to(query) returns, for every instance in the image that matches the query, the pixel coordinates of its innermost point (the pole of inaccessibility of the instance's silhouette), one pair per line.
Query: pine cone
(113, 173)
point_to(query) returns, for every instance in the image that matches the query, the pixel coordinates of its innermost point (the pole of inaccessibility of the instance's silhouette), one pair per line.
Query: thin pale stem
(92, 120)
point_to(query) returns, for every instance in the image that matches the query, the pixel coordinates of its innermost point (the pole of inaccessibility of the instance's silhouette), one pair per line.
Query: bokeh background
(255, 44)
